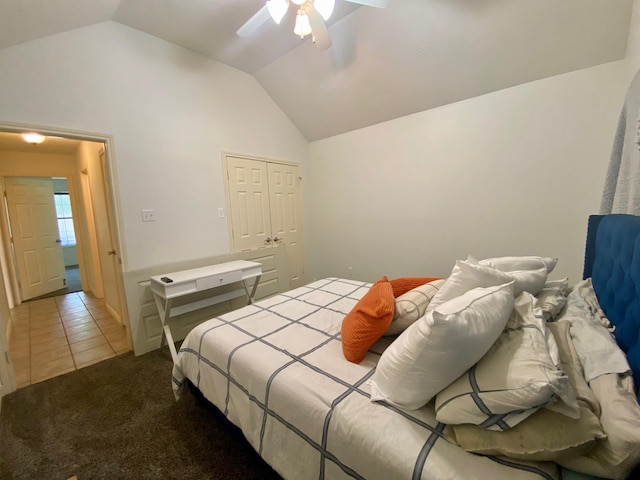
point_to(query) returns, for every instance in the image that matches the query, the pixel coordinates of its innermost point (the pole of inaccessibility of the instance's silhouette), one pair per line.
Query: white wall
(512, 172)
(633, 44)
(171, 113)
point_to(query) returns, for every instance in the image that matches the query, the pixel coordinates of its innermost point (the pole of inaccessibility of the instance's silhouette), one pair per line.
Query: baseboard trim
(113, 313)
(8, 331)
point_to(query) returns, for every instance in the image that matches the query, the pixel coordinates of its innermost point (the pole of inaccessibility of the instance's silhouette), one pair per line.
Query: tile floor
(57, 335)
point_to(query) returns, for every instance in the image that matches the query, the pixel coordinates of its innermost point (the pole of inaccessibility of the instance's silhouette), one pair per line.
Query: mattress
(276, 370)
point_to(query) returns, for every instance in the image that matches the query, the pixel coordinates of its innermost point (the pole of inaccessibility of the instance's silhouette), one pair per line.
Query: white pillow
(530, 280)
(464, 277)
(527, 262)
(441, 346)
(519, 374)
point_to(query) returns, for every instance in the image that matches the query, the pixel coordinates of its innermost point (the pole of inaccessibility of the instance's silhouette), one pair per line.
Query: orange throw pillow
(404, 284)
(367, 321)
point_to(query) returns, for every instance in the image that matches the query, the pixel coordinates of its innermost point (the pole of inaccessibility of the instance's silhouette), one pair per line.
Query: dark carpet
(119, 420)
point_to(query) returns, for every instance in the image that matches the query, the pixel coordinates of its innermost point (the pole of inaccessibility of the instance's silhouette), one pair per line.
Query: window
(65, 219)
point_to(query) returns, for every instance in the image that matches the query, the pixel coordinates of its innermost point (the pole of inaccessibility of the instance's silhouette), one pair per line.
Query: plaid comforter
(276, 370)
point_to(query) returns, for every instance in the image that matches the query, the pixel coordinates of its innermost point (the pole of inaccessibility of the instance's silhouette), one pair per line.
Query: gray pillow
(516, 377)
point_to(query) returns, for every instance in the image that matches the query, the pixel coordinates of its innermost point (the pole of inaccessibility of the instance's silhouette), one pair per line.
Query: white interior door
(107, 246)
(286, 216)
(34, 232)
(247, 181)
(93, 269)
(265, 209)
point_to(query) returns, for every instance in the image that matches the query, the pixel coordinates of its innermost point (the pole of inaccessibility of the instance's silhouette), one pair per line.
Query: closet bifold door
(286, 217)
(249, 204)
(265, 209)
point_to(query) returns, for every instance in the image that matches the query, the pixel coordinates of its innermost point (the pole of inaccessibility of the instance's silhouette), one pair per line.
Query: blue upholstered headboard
(612, 260)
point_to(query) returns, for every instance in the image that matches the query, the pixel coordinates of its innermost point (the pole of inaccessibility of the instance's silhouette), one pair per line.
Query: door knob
(267, 240)
(111, 252)
(276, 239)
(58, 240)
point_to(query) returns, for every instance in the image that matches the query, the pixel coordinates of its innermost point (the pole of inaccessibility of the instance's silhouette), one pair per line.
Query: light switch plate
(220, 212)
(148, 215)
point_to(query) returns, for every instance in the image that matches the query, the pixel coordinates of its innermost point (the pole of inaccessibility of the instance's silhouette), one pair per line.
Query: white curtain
(621, 192)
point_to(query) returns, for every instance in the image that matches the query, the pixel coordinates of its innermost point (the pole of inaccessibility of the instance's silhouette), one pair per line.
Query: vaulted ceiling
(384, 63)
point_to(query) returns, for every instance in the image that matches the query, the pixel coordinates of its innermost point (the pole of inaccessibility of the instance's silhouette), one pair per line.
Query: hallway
(57, 335)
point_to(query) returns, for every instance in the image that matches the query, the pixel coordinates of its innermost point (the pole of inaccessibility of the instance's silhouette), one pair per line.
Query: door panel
(32, 270)
(277, 215)
(24, 220)
(286, 216)
(34, 229)
(249, 204)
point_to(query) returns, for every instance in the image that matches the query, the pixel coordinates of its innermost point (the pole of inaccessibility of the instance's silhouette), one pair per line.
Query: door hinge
(6, 356)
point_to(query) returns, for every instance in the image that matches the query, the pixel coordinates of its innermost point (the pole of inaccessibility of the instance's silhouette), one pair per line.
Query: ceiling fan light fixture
(277, 9)
(33, 138)
(324, 7)
(303, 27)
(311, 17)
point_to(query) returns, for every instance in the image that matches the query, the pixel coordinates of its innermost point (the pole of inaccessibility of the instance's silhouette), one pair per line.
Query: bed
(277, 370)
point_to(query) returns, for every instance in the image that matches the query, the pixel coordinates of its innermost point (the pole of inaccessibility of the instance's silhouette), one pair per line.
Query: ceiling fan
(311, 18)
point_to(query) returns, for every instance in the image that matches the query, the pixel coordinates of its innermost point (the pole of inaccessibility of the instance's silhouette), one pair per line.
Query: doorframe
(113, 198)
(227, 191)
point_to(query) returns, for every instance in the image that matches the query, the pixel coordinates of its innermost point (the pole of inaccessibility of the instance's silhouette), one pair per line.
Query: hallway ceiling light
(33, 138)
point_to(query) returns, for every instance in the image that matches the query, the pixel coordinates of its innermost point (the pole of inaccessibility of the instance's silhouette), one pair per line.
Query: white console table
(169, 286)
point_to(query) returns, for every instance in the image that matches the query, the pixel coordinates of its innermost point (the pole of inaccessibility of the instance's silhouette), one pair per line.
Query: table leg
(164, 311)
(253, 289)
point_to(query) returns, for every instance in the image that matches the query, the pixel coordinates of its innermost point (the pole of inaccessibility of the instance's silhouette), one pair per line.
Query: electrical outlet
(350, 271)
(220, 212)
(148, 215)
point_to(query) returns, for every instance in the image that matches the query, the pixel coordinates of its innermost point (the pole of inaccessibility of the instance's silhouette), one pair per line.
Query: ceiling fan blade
(254, 22)
(371, 3)
(318, 29)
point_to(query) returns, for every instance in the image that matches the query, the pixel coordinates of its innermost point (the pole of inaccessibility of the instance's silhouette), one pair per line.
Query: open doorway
(85, 224)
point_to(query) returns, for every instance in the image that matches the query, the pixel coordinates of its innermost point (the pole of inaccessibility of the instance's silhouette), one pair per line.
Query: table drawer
(218, 280)
(170, 290)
